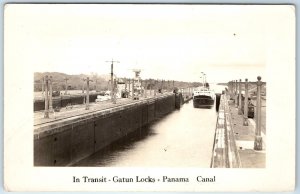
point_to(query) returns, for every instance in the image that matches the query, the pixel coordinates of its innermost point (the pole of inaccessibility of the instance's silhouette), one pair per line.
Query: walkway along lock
(258, 137)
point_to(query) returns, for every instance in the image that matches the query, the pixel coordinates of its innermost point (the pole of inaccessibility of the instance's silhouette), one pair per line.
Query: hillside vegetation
(75, 82)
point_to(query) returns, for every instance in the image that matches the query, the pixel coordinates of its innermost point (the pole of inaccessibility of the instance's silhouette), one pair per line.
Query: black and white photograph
(116, 97)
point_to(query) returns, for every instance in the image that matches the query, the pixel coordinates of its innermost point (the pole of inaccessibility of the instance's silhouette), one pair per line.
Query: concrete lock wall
(65, 145)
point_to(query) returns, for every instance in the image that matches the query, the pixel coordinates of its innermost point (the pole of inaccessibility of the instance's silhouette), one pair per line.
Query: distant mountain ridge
(57, 76)
(74, 81)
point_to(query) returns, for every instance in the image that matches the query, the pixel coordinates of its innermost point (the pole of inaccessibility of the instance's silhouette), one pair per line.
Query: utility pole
(112, 79)
(46, 113)
(50, 93)
(66, 87)
(87, 93)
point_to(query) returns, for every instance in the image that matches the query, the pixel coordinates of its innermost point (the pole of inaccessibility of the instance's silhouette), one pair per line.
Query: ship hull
(203, 101)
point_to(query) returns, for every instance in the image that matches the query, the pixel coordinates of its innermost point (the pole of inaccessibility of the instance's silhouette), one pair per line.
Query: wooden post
(46, 113)
(50, 93)
(246, 104)
(240, 98)
(258, 137)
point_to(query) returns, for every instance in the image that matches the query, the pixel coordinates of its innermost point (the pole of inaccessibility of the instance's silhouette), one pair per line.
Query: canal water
(183, 138)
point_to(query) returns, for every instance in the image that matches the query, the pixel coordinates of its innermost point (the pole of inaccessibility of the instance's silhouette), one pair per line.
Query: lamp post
(112, 80)
(258, 137)
(246, 104)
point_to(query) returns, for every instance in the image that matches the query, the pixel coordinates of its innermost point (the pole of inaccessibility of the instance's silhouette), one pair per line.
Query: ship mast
(203, 79)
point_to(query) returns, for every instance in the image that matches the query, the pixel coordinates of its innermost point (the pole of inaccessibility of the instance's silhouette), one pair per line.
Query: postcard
(149, 97)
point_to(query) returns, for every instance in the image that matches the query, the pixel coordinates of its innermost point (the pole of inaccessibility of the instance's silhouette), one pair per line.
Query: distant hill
(75, 82)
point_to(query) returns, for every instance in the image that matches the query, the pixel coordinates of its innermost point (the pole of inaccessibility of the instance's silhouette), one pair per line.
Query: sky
(171, 42)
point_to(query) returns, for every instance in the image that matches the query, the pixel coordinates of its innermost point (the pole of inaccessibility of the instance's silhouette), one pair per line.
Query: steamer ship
(203, 97)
